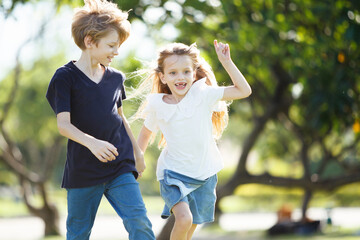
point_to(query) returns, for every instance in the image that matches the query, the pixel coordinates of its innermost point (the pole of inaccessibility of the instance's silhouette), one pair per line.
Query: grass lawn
(211, 234)
(215, 233)
(16, 208)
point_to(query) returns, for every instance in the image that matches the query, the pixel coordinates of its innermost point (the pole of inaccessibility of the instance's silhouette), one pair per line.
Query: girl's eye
(172, 73)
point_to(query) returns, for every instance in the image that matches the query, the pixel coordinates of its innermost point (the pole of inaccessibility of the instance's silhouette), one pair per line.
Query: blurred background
(291, 150)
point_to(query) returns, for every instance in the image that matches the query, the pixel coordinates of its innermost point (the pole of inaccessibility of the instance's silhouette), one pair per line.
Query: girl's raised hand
(222, 51)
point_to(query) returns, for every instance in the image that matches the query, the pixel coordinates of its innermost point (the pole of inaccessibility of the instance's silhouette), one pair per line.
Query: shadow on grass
(216, 233)
(259, 235)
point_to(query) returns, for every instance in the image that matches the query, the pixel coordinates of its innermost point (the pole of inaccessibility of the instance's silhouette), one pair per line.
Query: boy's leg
(124, 195)
(83, 204)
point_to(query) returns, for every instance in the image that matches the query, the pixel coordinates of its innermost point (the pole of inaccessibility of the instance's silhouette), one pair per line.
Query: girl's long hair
(202, 69)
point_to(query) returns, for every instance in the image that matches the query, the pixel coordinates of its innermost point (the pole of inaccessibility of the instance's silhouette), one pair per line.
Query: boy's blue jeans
(124, 195)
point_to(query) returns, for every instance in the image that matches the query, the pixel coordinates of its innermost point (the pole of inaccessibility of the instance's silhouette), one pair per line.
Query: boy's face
(178, 74)
(106, 49)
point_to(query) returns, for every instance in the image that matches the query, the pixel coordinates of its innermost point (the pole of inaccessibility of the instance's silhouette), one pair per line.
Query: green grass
(254, 197)
(54, 238)
(11, 208)
(16, 208)
(154, 204)
(248, 198)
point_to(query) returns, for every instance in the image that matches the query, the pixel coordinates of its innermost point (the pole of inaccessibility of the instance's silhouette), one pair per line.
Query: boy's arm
(103, 150)
(138, 154)
(241, 88)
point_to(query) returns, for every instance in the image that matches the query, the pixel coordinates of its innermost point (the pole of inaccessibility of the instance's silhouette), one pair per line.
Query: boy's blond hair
(96, 19)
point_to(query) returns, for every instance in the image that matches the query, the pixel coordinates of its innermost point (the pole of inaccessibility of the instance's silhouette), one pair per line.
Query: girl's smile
(180, 85)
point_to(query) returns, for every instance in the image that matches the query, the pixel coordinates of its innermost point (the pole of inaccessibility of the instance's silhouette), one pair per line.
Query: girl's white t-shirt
(187, 128)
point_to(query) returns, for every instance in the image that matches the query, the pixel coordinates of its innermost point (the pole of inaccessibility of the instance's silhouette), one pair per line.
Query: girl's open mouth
(180, 85)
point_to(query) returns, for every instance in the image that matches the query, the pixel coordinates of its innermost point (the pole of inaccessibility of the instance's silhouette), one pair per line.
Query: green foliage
(6, 177)
(315, 42)
(31, 118)
(31, 123)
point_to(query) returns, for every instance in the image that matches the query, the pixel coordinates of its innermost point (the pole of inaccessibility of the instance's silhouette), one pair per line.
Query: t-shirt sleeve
(59, 93)
(151, 121)
(122, 94)
(213, 95)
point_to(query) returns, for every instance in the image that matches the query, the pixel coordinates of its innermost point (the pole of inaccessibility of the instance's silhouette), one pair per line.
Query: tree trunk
(47, 212)
(305, 205)
(277, 103)
(51, 220)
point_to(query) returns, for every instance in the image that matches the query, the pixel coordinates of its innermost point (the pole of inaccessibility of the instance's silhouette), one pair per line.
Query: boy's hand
(222, 51)
(139, 163)
(104, 151)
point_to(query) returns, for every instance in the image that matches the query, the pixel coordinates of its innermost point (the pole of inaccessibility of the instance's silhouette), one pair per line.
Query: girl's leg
(183, 221)
(82, 204)
(191, 231)
(124, 195)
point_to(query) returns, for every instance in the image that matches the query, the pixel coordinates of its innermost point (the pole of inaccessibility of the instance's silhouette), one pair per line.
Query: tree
(325, 108)
(31, 156)
(300, 58)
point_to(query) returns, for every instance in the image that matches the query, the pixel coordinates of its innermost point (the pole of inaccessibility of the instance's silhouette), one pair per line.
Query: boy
(87, 97)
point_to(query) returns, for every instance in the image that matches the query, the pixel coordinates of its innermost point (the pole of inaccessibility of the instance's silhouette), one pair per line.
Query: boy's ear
(88, 41)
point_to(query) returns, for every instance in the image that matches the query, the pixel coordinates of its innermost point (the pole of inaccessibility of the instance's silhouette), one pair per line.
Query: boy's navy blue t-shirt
(93, 109)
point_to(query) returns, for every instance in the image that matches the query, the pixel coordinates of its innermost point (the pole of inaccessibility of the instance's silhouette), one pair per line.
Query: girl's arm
(138, 154)
(241, 88)
(103, 150)
(143, 139)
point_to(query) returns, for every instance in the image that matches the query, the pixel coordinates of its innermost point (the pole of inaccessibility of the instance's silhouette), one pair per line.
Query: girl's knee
(183, 216)
(184, 220)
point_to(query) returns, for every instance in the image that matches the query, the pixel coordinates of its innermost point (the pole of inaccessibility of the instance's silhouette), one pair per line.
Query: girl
(185, 106)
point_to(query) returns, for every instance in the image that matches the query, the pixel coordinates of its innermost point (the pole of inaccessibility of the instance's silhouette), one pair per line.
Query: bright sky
(25, 22)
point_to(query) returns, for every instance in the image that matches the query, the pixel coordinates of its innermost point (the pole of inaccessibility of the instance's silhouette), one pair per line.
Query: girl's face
(178, 74)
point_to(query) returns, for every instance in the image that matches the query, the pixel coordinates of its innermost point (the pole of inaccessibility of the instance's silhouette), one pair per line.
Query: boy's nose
(116, 51)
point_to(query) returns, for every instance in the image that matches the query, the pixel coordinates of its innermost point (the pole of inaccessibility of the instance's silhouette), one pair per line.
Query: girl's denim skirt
(199, 194)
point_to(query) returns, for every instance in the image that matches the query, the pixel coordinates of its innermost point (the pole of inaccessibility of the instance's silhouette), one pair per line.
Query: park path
(109, 227)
